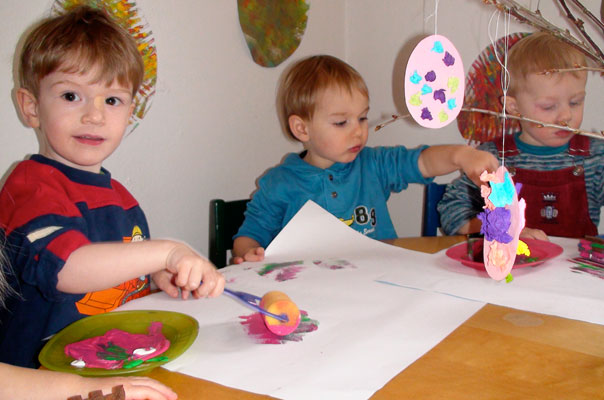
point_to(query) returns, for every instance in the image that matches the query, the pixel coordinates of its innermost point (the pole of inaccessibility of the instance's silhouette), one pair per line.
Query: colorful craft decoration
(502, 221)
(273, 29)
(127, 15)
(119, 349)
(484, 90)
(434, 82)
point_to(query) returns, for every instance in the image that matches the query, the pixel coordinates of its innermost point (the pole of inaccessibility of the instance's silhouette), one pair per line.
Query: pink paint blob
(256, 329)
(282, 330)
(92, 350)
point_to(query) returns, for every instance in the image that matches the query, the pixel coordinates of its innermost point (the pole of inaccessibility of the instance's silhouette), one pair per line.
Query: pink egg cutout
(517, 220)
(434, 82)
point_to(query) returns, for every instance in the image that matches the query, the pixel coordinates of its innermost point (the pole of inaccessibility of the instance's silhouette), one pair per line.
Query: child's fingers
(219, 287)
(255, 254)
(146, 388)
(163, 280)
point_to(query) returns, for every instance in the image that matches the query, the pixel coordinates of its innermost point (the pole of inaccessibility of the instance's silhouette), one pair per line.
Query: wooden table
(498, 353)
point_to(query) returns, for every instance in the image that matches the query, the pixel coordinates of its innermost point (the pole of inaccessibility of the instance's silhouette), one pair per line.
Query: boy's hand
(530, 233)
(253, 254)
(186, 269)
(474, 162)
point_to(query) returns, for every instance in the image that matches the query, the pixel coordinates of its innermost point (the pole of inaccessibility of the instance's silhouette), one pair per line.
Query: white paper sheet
(367, 331)
(549, 288)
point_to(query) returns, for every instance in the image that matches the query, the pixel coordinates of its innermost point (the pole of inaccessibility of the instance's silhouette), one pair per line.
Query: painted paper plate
(434, 82)
(180, 329)
(541, 251)
(483, 90)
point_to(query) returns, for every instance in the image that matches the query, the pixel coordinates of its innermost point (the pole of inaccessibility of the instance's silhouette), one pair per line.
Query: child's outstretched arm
(444, 159)
(174, 265)
(247, 249)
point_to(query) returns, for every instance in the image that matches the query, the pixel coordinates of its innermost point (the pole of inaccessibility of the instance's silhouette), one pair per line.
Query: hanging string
(505, 73)
(435, 15)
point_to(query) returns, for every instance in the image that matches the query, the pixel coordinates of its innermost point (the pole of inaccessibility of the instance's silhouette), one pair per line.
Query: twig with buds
(541, 124)
(535, 19)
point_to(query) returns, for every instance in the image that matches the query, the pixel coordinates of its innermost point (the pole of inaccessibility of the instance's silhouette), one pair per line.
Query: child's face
(338, 129)
(81, 123)
(556, 99)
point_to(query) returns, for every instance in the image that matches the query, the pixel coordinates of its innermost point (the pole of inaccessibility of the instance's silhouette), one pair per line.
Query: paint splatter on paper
(289, 270)
(282, 271)
(257, 330)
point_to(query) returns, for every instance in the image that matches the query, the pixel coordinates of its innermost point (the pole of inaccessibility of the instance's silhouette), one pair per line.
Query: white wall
(212, 129)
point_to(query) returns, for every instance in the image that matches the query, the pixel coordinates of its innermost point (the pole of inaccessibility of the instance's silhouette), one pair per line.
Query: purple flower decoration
(449, 59)
(430, 76)
(495, 224)
(426, 114)
(518, 186)
(440, 95)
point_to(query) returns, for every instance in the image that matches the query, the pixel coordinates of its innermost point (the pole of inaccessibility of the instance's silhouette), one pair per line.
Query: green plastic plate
(180, 329)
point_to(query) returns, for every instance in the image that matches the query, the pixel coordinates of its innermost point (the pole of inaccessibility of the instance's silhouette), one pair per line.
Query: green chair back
(225, 219)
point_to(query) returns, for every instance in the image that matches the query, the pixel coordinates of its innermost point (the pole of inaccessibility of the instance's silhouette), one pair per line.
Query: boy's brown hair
(77, 41)
(540, 52)
(303, 81)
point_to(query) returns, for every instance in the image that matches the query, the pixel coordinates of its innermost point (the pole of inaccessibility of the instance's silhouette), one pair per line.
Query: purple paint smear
(430, 76)
(426, 114)
(440, 95)
(333, 264)
(289, 270)
(288, 273)
(257, 330)
(448, 59)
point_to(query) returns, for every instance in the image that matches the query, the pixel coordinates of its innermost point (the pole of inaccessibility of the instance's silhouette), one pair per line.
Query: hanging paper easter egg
(434, 82)
(273, 29)
(128, 16)
(502, 221)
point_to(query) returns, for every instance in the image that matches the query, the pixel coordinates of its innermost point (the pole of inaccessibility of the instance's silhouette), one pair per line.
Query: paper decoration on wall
(273, 29)
(128, 15)
(483, 90)
(434, 82)
(502, 221)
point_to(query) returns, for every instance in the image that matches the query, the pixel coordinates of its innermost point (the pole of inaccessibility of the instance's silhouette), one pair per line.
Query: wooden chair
(225, 219)
(433, 192)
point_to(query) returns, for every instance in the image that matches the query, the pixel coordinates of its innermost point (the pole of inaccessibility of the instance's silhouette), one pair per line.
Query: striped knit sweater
(462, 201)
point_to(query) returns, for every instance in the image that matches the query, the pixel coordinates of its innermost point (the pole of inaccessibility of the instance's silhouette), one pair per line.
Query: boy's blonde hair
(303, 81)
(77, 41)
(540, 52)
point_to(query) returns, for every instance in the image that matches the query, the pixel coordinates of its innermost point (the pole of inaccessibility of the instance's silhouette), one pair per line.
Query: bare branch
(596, 135)
(536, 20)
(585, 11)
(581, 27)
